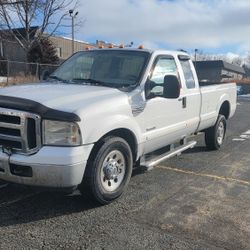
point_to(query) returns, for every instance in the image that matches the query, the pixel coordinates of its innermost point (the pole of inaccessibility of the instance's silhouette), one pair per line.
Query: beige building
(64, 46)
(11, 50)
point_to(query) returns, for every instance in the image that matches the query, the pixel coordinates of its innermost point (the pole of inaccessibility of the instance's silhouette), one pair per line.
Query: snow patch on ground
(246, 96)
(238, 139)
(3, 79)
(244, 136)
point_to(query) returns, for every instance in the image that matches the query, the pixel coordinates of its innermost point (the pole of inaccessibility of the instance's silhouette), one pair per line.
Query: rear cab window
(185, 62)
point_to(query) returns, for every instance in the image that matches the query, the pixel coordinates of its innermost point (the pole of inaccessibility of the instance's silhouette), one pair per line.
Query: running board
(173, 152)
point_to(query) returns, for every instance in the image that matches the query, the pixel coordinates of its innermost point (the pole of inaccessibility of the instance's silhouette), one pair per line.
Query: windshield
(106, 67)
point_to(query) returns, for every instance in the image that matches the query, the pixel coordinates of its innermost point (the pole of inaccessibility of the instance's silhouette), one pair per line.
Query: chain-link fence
(20, 72)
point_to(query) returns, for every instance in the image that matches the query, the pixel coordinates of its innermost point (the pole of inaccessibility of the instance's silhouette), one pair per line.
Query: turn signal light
(101, 46)
(141, 47)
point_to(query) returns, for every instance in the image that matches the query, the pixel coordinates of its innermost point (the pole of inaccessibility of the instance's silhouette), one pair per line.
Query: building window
(59, 52)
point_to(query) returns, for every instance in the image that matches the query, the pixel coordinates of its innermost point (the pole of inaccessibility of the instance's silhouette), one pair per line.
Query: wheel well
(126, 134)
(225, 109)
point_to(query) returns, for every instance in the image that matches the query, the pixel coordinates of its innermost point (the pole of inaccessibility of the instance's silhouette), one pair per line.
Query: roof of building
(68, 38)
(21, 31)
(220, 64)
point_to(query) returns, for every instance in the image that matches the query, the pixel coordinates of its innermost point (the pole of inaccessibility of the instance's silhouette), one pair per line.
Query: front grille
(20, 131)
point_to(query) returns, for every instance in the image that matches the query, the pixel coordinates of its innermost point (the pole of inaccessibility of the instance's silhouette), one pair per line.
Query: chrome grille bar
(23, 119)
(10, 137)
(9, 125)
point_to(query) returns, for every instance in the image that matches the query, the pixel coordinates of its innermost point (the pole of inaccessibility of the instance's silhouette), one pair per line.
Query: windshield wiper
(93, 81)
(56, 78)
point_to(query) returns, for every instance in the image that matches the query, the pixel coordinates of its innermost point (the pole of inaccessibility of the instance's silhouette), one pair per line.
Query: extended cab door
(163, 120)
(192, 97)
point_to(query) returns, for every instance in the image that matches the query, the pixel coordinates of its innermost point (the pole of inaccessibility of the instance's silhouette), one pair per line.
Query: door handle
(184, 101)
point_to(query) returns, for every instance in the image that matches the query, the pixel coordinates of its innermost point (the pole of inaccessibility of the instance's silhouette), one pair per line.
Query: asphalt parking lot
(199, 200)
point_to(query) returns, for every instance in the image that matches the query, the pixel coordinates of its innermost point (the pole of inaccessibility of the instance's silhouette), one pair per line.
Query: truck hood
(64, 97)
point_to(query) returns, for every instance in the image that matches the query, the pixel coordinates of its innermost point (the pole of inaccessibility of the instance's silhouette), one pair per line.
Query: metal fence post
(8, 71)
(19, 72)
(37, 70)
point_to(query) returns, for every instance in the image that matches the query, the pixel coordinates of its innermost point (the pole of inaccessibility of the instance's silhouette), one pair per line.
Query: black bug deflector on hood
(37, 108)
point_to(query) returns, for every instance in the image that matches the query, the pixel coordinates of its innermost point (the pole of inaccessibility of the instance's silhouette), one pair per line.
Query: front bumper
(55, 167)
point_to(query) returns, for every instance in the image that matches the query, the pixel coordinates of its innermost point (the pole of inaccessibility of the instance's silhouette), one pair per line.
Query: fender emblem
(7, 150)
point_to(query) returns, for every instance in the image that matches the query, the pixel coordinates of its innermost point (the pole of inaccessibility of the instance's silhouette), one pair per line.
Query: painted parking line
(247, 132)
(238, 139)
(244, 136)
(216, 177)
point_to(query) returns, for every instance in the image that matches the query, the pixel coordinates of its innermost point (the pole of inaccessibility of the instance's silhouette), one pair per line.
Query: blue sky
(212, 26)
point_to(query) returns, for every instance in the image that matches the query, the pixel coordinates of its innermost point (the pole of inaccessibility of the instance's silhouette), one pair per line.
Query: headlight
(61, 133)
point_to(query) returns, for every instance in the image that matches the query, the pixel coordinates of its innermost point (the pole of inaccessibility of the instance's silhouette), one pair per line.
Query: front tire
(214, 136)
(108, 173)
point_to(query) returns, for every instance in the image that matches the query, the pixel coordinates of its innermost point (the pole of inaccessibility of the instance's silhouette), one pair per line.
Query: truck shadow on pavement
(20, 205)
(197, 149)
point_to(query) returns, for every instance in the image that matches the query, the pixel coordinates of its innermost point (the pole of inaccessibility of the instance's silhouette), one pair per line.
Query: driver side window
(163, 66)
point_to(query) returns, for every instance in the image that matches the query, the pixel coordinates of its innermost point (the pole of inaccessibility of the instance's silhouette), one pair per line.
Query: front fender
(93, 133)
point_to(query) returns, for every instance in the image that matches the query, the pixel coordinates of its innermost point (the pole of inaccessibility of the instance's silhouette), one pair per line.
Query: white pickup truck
(103, 112)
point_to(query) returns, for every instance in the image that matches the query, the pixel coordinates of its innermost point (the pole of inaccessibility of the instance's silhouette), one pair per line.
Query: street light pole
(195, 57)
(73, 16)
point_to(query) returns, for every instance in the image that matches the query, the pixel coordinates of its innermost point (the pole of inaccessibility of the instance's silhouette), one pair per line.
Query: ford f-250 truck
(104, 111)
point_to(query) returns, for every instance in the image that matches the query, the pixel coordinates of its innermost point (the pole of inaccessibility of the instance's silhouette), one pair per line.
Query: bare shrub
(19, 80)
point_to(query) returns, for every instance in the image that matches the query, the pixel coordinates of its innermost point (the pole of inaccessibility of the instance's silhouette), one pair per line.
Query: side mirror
(45, 75)
(171, 88)
(148, 87)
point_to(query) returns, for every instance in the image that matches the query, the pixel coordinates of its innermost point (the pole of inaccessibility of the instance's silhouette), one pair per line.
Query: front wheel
(109, 172)
(214, 136)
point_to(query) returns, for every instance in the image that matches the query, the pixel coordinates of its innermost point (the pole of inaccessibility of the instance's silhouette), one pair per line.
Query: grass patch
(18, 80)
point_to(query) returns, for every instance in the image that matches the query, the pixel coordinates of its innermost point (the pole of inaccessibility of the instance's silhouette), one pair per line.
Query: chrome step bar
(151, 163)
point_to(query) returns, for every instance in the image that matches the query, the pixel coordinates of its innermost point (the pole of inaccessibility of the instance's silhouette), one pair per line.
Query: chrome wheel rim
(220, 133)
(113, 171)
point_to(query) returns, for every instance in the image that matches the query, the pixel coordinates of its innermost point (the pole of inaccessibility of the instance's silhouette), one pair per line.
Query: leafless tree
(46, 15)
(238, 61)
(201, 56)
(248, 59)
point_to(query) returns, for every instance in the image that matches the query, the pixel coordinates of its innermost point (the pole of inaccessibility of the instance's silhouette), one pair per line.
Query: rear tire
(214, 136)
(109, 172)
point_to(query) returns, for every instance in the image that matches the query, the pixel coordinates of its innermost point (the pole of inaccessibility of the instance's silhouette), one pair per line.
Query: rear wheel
(108, 174)
(214, 136)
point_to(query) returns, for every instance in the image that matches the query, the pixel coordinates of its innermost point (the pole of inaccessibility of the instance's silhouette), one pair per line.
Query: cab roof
(151, 51)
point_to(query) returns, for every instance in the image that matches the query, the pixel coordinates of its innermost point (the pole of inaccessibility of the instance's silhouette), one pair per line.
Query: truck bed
(212, 97)
(208, 83)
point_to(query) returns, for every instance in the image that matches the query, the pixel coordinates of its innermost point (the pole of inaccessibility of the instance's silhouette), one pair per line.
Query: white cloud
(178, 24)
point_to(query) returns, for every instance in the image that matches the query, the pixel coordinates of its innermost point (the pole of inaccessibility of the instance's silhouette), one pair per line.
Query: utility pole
(73, 16)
